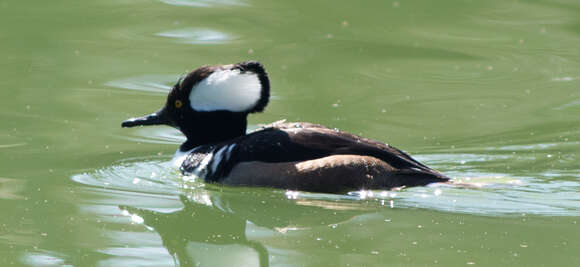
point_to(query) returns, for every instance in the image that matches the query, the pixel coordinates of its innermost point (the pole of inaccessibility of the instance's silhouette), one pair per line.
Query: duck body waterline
(210, 107)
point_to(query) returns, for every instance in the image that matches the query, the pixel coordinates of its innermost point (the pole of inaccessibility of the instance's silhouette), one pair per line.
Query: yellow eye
(178, 103)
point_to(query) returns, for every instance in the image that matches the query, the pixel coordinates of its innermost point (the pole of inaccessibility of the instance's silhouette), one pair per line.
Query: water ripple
(154, 83)
(198, 36)
(142, 175)
(10, 188)
(486, 193)
(12, 145)
(204, 3)
(571, 104)
(44, 258)
(154, 135)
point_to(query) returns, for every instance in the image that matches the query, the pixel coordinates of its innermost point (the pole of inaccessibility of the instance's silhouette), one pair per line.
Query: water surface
(486, 92)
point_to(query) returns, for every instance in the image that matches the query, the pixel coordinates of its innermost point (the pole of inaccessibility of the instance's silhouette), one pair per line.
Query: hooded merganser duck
(210, 106)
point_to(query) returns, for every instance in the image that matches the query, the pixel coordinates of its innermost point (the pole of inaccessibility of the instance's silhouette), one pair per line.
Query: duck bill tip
(156, 118)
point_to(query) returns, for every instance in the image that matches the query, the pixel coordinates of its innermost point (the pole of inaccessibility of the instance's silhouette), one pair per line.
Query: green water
(485, 91)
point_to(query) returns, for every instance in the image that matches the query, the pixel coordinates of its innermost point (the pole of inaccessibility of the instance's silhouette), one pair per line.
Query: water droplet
(437, 192)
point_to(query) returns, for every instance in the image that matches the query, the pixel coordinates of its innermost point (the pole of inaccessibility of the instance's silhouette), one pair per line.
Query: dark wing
(294, 142)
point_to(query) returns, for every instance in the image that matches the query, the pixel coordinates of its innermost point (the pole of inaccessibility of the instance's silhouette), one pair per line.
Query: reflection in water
(140, 256)
(221, 218)
(198, 36)
(197, 223)
(204, 3)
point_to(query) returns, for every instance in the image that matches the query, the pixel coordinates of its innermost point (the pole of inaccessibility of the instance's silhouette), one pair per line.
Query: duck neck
(214, 127)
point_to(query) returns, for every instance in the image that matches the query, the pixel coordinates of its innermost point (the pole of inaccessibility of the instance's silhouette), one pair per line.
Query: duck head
(211, 103)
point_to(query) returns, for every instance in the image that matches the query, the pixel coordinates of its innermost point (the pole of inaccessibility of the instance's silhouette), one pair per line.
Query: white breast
(179, 157)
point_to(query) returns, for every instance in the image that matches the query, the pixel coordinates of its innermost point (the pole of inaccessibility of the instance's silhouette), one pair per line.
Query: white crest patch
(229, 90)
